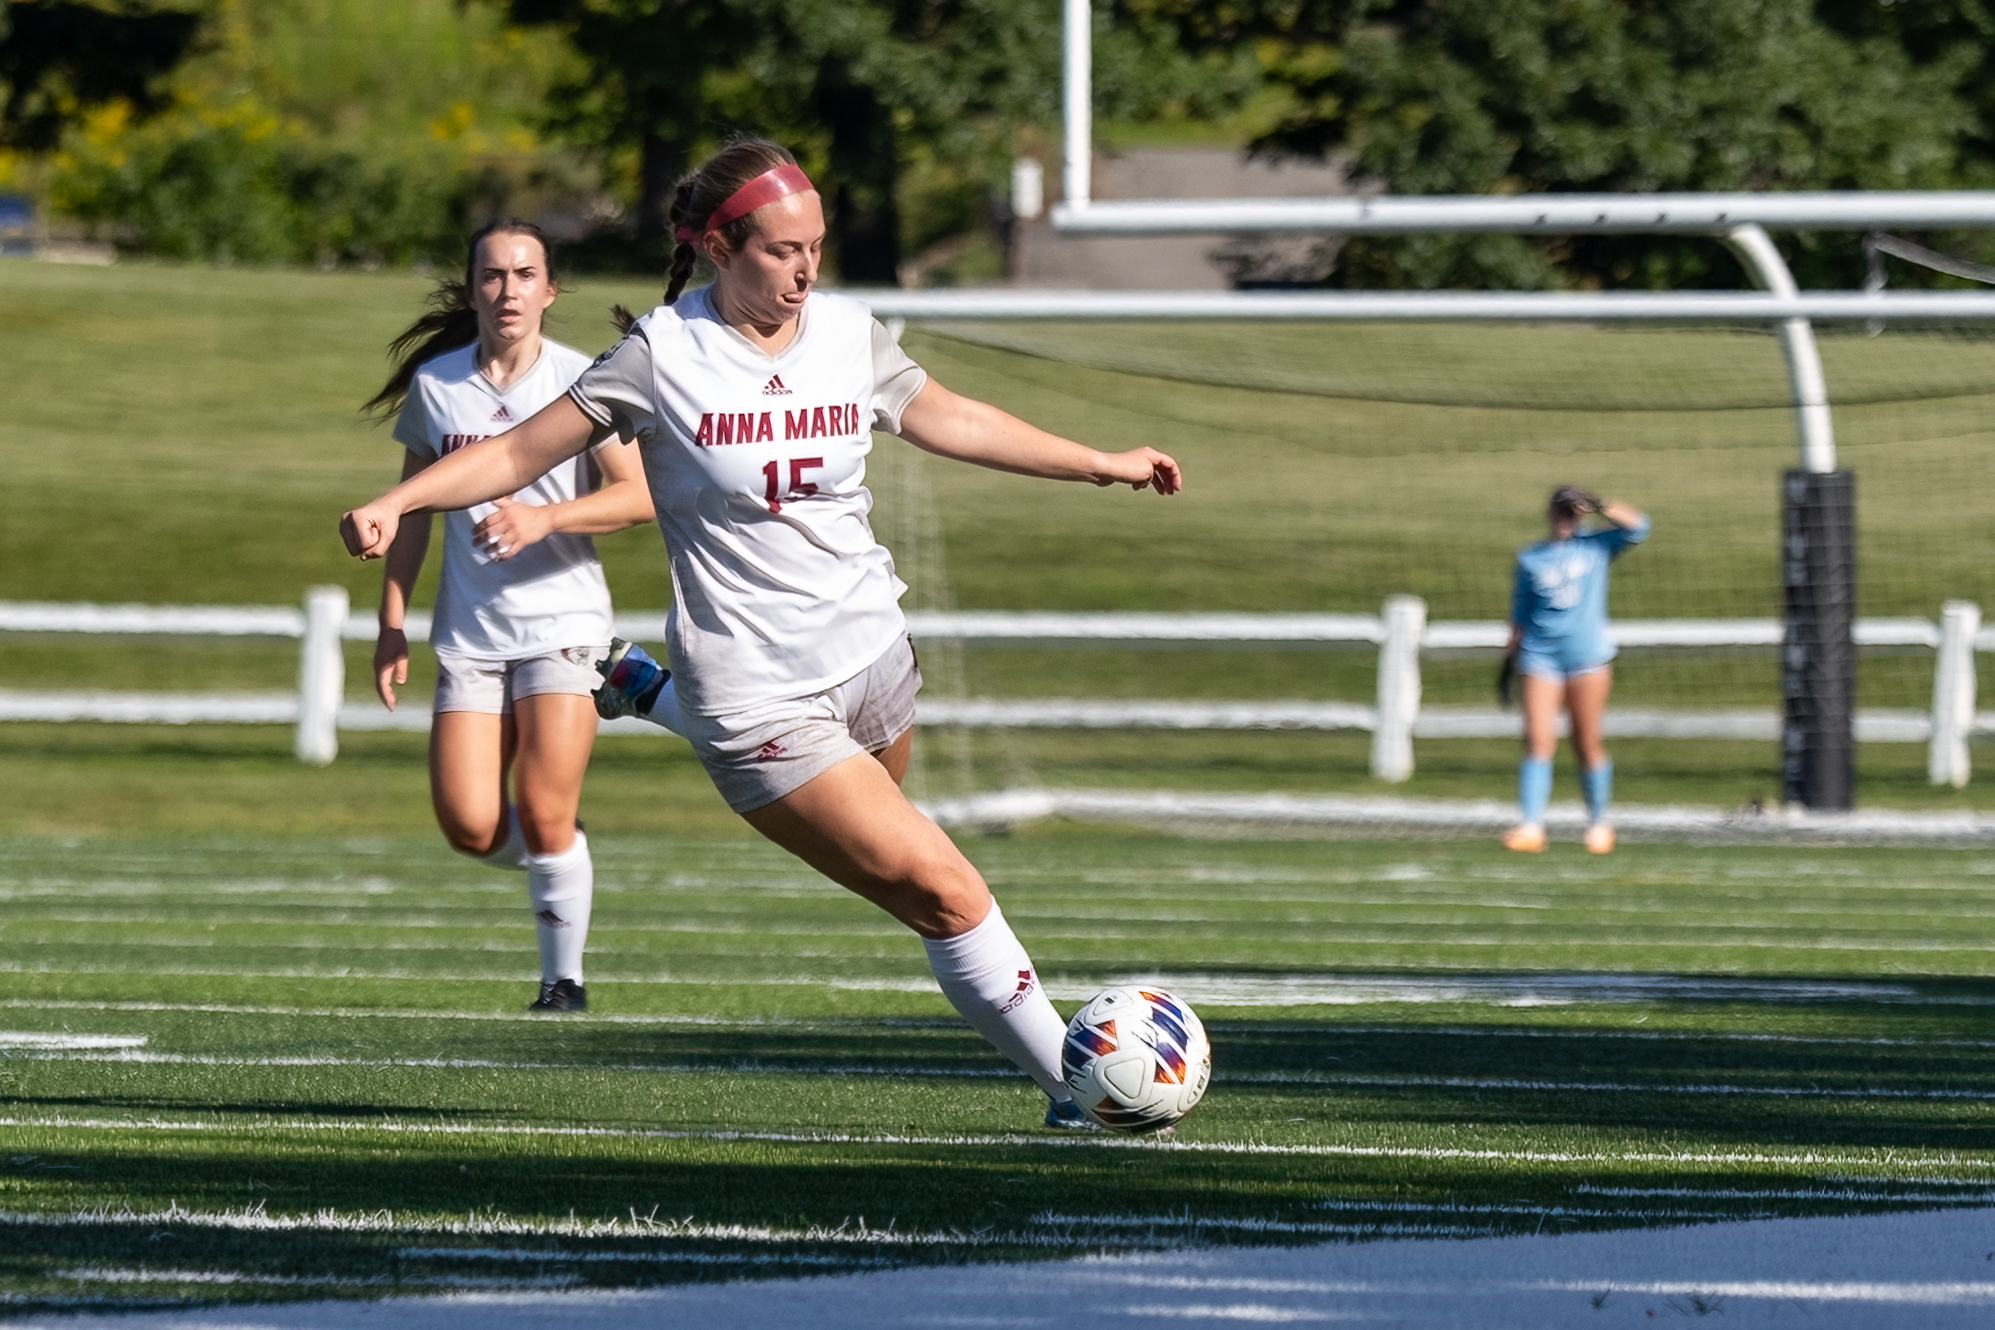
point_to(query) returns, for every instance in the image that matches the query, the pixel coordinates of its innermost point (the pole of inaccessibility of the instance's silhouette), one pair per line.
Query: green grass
(336, 1095)
(189, 435)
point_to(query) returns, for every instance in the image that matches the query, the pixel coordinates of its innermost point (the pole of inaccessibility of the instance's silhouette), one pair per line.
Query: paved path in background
(1932, 1271)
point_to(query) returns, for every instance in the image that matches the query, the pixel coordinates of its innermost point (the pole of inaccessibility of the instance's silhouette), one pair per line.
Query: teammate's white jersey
(757, 467)
(552, 593)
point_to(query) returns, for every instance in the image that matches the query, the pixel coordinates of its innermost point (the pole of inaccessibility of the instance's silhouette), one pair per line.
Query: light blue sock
(1598, 786)
(1534, 789)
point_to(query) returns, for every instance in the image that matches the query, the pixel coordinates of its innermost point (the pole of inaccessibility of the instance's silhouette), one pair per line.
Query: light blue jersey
(1560, 600)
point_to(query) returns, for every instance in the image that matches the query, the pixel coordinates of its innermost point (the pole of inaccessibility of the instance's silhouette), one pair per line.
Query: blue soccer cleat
(1066, 1115)
(632, 681)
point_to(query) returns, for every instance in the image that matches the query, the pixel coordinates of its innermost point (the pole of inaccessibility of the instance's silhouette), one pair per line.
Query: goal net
(1333, 464)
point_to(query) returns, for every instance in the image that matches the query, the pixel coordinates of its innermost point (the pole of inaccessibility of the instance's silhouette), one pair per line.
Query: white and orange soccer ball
(1136, 1059)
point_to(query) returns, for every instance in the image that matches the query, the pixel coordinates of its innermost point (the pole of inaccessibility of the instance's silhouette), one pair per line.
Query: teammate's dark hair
(699, 193)
(451, 321)
(1570, 502)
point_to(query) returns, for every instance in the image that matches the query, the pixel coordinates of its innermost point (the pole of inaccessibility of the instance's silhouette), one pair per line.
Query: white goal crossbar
(1399, 635)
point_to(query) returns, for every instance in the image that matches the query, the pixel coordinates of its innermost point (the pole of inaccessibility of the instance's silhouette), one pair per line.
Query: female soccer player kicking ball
(754, 401)
(522, 611)
(1560, 646)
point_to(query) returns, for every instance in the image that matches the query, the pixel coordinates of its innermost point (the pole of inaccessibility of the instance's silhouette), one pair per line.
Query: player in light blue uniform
(1561, 648)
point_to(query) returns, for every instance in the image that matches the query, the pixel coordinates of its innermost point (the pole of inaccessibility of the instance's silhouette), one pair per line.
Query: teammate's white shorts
(759, 755)
(464, 683)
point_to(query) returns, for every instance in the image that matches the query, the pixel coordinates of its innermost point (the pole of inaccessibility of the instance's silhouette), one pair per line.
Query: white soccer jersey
(552, 593)
(757, 467)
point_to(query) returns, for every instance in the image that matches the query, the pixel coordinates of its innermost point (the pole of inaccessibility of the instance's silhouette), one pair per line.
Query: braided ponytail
(451, 321)
(699, 193)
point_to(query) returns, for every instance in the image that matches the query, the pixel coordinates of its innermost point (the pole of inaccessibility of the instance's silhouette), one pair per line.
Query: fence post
(1947, 761)
(321, 676)
(1405, 619)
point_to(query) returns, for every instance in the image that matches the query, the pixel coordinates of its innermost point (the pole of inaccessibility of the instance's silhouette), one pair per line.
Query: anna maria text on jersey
(815, 422)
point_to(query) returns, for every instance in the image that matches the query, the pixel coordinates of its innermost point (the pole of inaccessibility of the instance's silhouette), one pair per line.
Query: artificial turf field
(251, 1067)
(263, 1032)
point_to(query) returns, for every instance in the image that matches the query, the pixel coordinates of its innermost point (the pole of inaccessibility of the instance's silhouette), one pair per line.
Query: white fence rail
(1401, 634)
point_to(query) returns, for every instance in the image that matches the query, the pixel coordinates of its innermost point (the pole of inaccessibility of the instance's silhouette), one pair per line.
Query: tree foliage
(873, 94)
(1509, 96)
(61, 58)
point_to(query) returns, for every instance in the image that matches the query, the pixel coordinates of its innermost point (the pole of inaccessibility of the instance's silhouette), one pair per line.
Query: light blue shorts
(1558, 666)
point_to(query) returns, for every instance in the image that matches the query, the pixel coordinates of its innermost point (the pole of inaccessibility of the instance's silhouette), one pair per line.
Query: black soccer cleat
(561, 995)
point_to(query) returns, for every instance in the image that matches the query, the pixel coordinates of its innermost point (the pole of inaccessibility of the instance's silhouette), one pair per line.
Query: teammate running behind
(1561, 648)
(754, 401)
(522, 611)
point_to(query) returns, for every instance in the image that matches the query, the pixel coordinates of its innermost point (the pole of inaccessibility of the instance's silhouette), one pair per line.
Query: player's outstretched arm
(622, 500)
(398, 581)
(951, 425)
(491, 469)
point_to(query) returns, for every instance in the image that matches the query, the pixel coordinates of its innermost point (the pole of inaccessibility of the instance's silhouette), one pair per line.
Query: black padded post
(1818, 659)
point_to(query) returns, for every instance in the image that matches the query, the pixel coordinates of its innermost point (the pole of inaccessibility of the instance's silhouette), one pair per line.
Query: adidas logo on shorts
(774, 387)
(770, 751)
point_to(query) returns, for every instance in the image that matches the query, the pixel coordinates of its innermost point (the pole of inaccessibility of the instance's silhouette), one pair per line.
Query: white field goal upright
(1818, 658)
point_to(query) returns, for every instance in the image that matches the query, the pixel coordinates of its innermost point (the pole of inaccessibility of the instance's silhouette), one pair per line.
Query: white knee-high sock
(562, 888)
(512, 852)
(989, 979)
(664, 711)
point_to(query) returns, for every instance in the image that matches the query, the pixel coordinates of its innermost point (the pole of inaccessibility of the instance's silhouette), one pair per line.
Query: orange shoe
(1600, 839)
(1526, 839)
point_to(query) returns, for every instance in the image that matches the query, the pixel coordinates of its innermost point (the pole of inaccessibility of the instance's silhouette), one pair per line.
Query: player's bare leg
(1541, 698)
(1586, 706)
(853, 824)
(468, 755)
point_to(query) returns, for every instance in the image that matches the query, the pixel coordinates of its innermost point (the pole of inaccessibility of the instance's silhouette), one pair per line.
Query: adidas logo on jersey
(774, 387)
(502, 414)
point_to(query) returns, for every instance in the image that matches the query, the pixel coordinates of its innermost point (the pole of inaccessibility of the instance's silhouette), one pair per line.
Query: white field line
(533, 1256)
(1940, 1292)
(1191, 813)
(745, 1066)
(951, 1023)
(87, 1274)
(509, 1017)
(257, 1220)
(922, 985)
(754, 1067)
(59, 1043)
(1982, 1165)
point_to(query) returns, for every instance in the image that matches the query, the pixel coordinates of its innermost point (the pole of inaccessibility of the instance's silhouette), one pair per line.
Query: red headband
(776, 183)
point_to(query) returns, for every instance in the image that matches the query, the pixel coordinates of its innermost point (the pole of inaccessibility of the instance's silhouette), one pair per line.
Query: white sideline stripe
(257, 1220)
(1981, 1166)
(64, 1042)
(924, 984)
(505, 1017)
(1191, 813)
(1548, 989)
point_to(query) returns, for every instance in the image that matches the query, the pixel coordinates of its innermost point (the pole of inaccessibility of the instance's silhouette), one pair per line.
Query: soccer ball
(1136, 1058)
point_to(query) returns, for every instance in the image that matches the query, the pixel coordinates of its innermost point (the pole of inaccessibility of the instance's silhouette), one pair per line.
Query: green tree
(1510, 96)
(863, 89)
(62, 58)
